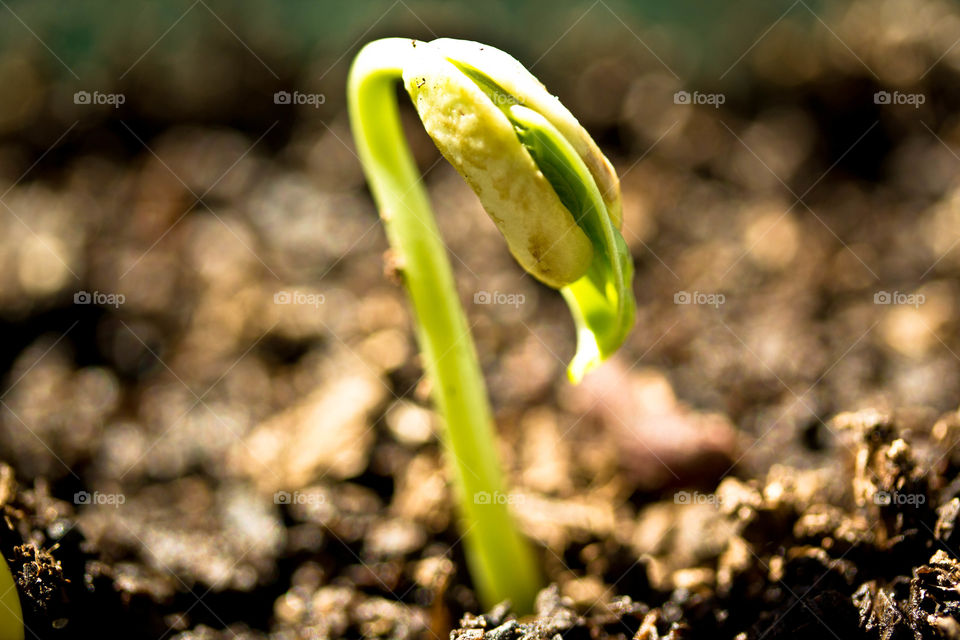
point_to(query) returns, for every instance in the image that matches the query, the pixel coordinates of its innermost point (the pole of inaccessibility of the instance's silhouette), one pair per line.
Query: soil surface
(214, 422)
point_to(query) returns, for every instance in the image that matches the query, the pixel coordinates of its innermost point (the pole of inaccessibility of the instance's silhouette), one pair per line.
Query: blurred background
(196, 313)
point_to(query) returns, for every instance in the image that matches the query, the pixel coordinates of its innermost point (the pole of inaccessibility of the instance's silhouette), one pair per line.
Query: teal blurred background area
(94, 36)
(209, 60)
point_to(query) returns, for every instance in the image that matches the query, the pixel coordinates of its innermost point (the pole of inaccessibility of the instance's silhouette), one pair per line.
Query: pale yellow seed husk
(479, 141)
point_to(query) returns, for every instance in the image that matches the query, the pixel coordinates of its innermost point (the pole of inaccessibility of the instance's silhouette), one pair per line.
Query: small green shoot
(556, 200)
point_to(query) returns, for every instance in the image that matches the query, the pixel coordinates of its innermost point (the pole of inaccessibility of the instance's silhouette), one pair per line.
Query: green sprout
(556, 200)
(11, 616)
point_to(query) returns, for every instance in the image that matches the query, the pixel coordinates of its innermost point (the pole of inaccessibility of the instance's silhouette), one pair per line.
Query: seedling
(555, 199)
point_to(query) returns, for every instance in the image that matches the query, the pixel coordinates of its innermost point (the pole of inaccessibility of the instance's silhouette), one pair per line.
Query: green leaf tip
(540, 176)
(601, 301)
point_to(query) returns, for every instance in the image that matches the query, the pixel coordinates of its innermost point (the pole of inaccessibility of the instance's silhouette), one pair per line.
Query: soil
(243, 446)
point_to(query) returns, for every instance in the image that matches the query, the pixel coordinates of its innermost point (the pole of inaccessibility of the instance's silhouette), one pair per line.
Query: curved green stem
(501, 561)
